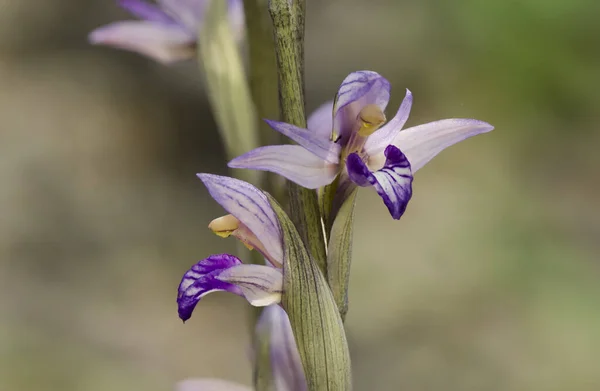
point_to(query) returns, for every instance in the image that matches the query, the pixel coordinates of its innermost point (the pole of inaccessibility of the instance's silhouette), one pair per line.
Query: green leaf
(326, 196)
(339, 255)
(315, 320)
(227, 85)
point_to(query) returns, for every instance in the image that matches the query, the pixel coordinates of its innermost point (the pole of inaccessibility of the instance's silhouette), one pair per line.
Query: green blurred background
(489, 282)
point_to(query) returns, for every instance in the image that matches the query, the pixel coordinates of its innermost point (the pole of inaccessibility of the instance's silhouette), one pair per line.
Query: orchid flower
(286, 366)
(349, 138)
(167, 31)
(254, 223)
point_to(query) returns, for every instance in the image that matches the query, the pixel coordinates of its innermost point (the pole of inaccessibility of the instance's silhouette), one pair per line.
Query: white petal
(383, 137)
(292, 161)
(321, 120)
(162, 42)
(422, 143)
(321, 147)
(261, 285)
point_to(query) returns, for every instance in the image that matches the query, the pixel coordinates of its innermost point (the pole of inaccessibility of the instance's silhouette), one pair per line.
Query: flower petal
(162, 42)
(356, 91)
(146, 11)
(250, 206)
(288, 374)
(260, 285)
(383, 137)
(321, 120)
(393, 182)
(292, 161)
(210, 385)
(201, 280)
(421, 143)
(320, 146)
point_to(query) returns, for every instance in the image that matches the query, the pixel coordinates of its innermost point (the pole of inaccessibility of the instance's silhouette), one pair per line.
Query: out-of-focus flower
(167, 31)
(252, 221)
(286, 367)
(348, 137)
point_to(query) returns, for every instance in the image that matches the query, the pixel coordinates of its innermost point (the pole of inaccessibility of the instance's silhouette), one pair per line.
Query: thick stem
(288, 28)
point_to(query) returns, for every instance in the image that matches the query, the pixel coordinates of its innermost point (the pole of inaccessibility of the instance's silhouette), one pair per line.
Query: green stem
(263, 87)
(263, 83)
(288, 28)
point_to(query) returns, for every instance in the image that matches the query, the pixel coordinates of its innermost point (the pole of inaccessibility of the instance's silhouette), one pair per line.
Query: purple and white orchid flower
(252, 221)
(286, 367)
(167, 31)
(349, 137)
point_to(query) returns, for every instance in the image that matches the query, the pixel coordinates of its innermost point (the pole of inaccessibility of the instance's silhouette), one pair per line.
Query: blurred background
(491, 281)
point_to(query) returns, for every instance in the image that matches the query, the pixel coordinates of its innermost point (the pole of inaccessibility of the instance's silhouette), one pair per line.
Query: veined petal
(292, 161)
(321, 120)
(393, 182)
(146, 11)
(165, 43)
(356, 91)
(320, 146)
(250, 206)
(383, 137)
(210, 385)
(201, 280)
(260, 285)
(421, 143)
(286, 366)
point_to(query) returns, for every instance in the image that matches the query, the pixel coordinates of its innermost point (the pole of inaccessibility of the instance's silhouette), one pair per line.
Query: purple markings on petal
(146, 11)
(320, 146)
(291, 161)
(249, 205)
(393, 182)
(201, 280)
(363, 84)
(356, 91)
(422, 143)
(260, 285)
(383, 137)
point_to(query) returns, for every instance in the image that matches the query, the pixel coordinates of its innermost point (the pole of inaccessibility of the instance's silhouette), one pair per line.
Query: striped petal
(356, 91)
(383, 137)
(320, 146)
(250, 206)
(260, 285)
(393, 181)
(291, 161)
(422, 143)
(165, 43)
